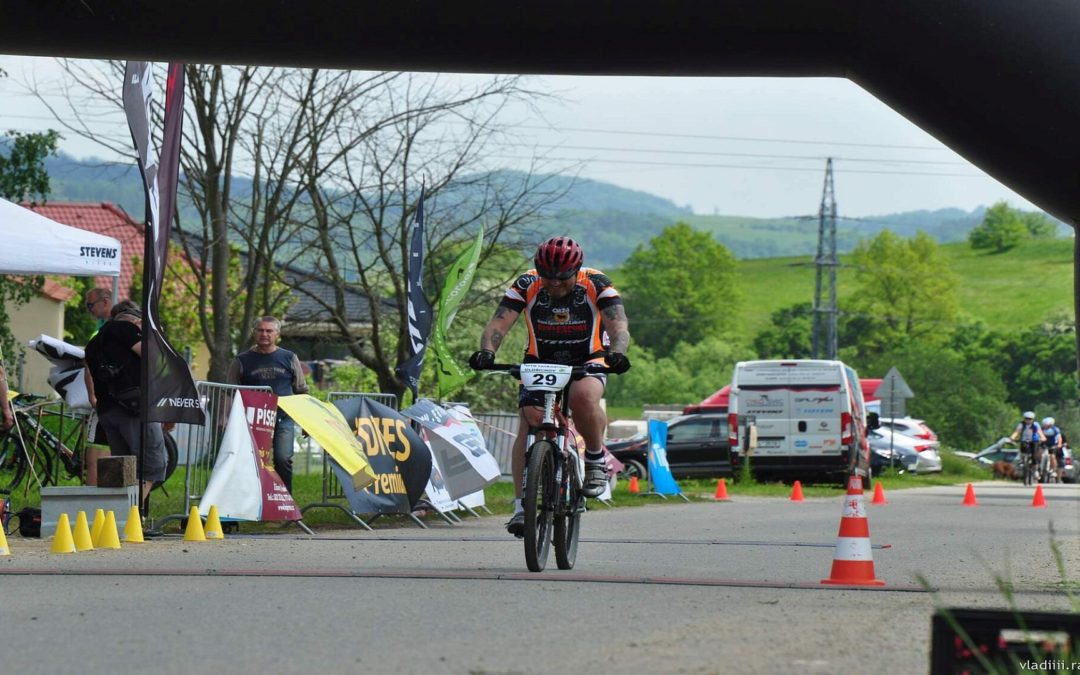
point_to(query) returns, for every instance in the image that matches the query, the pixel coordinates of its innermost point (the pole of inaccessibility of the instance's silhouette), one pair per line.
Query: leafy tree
(906, 290)
(1002, 228)
(790, 334)
(22, 177)
(1037, 365)
(682, 287)
(1039, 225)
(963, 402)
(692, 372)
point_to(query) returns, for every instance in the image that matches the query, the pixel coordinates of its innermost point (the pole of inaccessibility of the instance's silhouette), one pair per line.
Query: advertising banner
(398, 457)
(458, 447)
(449, 374)
(659, 469)
(418, 306)
(244, 485)
(436, 492)
(329, 428)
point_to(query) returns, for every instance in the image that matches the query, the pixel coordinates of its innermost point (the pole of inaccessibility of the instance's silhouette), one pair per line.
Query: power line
(750, 139)
(812, 158)
(690, 165)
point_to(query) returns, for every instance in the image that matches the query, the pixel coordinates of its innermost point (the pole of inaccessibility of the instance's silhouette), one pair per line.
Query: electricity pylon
(826, 262)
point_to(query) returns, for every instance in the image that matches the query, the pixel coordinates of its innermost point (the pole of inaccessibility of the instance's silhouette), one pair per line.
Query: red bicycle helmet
(559, 258)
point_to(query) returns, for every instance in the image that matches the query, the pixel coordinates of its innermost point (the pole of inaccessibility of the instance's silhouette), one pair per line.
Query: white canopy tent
(34, 244)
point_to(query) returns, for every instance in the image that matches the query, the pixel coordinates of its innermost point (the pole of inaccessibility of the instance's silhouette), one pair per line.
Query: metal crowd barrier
(197, 445)
(500, 430)
(332, 492)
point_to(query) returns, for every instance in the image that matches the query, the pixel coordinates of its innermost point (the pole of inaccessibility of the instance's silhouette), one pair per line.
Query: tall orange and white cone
(853, 562)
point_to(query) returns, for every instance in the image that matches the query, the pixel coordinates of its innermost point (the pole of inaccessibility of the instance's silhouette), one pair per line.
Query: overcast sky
(733, 146)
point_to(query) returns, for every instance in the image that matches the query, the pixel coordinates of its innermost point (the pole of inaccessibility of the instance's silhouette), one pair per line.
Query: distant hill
(611, 221)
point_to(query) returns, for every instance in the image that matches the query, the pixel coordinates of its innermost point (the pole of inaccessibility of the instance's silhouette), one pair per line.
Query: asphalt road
(698, 588)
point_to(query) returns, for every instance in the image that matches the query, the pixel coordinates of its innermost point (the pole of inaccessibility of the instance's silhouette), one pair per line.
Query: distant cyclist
(1055, 444)
(1030, 436)
(568, 309)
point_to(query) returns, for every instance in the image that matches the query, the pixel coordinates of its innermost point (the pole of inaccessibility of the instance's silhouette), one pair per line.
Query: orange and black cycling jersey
(568, 330)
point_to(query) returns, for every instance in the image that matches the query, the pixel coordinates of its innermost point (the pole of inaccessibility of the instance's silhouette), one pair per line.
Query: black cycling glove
(617, 363)
(482, 360)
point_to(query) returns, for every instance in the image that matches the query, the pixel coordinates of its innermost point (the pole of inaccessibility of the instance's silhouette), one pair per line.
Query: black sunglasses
(560, 276)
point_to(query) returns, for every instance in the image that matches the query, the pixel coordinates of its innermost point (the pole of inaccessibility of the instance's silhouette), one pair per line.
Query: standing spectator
(268, 365)
(5, 404)
(99, 304)
(113, 360)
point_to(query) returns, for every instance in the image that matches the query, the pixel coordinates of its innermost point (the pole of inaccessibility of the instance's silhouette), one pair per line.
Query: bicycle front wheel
(568, 518)
(541, 493)
(12, 462)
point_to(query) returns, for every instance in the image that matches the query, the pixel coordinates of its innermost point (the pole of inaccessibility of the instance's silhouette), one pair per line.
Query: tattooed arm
(617, 327)
(497, 328)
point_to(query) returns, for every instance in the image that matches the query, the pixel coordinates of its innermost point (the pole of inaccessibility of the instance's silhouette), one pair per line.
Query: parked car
(913, 454)
(909, 426)
(1069, 469)
(697, 445)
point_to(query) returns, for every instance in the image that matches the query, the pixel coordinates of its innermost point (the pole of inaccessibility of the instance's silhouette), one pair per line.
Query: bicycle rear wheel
(541, 492)
(568, 519)
(171, 458)
(12, 462)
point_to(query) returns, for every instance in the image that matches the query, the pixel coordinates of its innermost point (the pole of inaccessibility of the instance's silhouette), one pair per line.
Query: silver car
(913, 454)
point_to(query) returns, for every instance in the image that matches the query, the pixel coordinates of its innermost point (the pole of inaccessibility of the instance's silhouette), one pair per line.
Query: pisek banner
(659, 469)
(244, 485)
(459, 449)
(399, 458)
(436, 492)
(449, 374)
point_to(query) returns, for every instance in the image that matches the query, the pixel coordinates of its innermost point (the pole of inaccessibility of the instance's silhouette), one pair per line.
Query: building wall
(40, 315)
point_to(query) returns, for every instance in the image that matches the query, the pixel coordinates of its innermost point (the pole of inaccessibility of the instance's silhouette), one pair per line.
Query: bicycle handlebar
(576, 372)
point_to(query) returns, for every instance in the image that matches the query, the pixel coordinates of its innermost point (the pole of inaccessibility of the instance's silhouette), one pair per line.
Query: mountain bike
(1029, 468)
(48, 437)
(554, 467)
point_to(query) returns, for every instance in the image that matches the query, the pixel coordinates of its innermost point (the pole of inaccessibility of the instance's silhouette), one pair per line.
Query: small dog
(1004, 470)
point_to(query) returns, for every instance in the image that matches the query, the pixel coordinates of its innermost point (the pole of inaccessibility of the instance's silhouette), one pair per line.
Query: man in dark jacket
(113, 360)
(268, 365)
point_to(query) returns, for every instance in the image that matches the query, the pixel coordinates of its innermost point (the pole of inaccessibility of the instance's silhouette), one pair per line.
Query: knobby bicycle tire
(171, 455)
(568, 518)
(539, 503)
(12, 462)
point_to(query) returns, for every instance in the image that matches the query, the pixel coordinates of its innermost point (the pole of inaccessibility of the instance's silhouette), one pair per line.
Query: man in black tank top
(267, 365)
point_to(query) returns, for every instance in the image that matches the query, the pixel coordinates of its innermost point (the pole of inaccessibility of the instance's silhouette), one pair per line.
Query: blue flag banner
(419, 309)
(659, 470)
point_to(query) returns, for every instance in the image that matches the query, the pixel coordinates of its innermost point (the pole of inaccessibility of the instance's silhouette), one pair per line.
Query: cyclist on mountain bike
(1030, 436)
(1055, 444)
(568, 309)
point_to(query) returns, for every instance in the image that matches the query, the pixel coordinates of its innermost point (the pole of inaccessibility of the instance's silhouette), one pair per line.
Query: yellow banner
(328, 427)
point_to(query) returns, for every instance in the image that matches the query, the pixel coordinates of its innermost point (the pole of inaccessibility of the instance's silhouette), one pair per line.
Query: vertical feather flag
(449, 374)
(419, 319)
(168, 389)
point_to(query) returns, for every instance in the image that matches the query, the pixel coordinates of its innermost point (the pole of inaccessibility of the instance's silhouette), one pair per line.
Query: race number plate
(544, 376)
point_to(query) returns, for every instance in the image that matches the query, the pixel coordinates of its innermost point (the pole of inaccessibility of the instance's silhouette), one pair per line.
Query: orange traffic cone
(1040, 500)
(721, 491)
(879, 494)
(796, 491)
(853, 561)
(634, 489)
(969, 496)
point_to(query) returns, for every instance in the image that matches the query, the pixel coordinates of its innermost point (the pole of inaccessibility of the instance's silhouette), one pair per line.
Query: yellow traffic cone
(110, 538)
(83, 542)
(133, 527)
(62, 541)
(97, 527)
(194, 531)
(4, 550)
(213, 524)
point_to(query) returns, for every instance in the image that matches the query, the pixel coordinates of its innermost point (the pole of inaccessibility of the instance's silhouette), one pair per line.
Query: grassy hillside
(1007, 291)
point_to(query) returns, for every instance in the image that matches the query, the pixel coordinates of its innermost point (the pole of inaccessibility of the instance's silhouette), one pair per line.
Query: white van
(809, 417)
